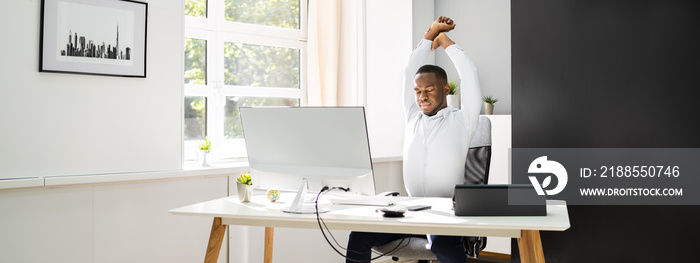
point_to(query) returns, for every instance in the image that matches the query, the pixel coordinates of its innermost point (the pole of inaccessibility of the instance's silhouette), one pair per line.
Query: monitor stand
(298, 206)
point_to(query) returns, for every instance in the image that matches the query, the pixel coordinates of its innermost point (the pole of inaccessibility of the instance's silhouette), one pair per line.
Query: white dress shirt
(435, 147)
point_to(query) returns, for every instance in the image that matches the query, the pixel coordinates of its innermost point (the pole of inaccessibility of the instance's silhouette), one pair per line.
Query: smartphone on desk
(418, 207)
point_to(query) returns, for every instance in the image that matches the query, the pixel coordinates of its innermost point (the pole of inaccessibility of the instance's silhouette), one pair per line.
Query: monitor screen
(326, 145)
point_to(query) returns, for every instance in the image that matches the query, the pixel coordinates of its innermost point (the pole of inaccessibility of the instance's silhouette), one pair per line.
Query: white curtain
(323, 52)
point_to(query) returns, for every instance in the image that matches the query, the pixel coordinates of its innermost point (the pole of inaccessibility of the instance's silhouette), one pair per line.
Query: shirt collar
(440, 114)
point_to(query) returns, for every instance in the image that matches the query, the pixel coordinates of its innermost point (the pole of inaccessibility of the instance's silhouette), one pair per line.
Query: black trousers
(448, 249)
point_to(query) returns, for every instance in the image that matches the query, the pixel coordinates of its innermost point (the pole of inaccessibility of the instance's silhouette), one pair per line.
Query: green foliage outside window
(277, 13)
(255, 66)
(195, 118)
(196, 8)
(195, 61)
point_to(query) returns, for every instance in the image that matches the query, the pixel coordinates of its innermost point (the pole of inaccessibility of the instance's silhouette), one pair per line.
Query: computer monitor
(289, 147)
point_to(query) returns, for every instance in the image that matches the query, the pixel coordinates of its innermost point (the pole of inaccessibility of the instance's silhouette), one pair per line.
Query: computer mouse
(392, 211)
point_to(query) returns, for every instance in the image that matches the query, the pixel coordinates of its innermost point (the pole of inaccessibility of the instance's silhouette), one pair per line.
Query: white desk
(439, 220)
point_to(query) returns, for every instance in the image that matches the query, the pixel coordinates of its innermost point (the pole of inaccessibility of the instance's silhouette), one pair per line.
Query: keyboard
(364, 200)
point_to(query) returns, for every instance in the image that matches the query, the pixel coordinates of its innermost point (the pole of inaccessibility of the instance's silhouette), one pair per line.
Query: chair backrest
(476, 167)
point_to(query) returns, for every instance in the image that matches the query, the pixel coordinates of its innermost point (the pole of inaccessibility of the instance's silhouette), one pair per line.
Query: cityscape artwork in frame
(96, 37)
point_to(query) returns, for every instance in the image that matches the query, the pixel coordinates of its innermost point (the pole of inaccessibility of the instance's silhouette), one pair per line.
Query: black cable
(319, 220)
(318, 217)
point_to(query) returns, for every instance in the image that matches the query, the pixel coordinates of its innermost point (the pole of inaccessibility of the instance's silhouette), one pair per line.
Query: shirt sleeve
(417, 59)
(469, 87)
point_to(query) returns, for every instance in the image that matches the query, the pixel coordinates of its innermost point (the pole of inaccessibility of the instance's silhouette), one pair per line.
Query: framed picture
(97, 37)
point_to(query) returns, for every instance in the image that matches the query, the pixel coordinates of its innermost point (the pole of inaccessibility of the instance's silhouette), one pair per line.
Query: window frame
(216, 30)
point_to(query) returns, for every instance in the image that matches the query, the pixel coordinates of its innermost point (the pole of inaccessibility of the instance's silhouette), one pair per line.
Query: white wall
(389, 35)
(68, 124)
(114, 222)
(423, 17)
(483, 30)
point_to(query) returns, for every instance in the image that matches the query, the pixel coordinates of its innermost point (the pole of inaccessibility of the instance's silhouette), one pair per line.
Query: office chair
(476, 172)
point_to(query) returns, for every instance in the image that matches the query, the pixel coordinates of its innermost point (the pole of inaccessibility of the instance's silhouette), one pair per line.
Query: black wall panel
(610, 74)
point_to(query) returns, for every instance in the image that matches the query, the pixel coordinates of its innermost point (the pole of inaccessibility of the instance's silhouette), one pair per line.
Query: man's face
(431, 93)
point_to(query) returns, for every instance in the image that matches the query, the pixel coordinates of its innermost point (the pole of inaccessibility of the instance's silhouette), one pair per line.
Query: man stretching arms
(437, 137)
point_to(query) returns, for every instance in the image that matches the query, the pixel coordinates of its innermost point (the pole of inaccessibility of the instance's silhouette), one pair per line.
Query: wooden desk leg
(216, 238)
(530, 247)
(269, 237)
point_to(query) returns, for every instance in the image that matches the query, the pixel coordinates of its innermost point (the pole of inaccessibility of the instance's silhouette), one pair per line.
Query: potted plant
(488, 104)
(244, 185)
(453, 98)
(203, 148)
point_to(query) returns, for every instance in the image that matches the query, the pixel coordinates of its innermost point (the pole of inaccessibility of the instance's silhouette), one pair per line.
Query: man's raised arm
(470, 87)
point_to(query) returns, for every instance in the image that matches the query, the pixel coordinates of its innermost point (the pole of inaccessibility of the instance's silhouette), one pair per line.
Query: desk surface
(439, 220)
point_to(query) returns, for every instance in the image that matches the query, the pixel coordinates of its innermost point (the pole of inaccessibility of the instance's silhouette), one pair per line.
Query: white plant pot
(454, 100)
(245, 192)
(202, 157)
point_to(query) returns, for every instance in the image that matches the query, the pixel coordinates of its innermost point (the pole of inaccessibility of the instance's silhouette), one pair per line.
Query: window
(239, 53)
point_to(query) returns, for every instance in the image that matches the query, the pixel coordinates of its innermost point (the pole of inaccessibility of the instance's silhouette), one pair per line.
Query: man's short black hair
(439, 73)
